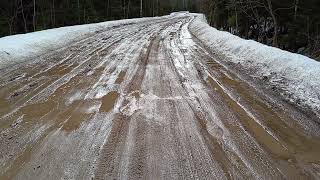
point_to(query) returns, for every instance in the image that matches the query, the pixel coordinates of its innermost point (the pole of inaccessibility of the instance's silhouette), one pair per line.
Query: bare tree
(272, 11)
(23, 16)
(10, 16)
(52, 14)
(275, 23)
(232, 4)
(251, 9)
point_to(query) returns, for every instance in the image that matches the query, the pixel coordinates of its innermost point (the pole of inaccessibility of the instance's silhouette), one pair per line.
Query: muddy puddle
(108, 101)
(36, 111)
(4, 106)
(74, 121)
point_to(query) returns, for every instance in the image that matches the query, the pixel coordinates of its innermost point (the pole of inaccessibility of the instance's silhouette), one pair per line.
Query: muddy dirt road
(148, 101)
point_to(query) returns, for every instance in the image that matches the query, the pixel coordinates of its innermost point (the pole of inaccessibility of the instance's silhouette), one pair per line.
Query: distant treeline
(292, 25)
(20, 16)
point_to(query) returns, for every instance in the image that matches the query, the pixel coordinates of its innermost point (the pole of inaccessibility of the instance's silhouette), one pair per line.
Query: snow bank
(298, 76)
(22, 47)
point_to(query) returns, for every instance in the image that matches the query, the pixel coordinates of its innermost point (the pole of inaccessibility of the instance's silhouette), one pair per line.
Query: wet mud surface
(147, 101)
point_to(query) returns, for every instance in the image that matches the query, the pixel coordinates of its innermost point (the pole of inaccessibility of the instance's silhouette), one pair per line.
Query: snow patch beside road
(298, 76)
(23, 47)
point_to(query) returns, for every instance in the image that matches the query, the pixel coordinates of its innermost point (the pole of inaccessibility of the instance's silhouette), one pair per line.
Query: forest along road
(147, 100)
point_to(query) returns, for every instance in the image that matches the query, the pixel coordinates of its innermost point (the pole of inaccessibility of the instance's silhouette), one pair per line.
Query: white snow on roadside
(23, 47)
(298, 76)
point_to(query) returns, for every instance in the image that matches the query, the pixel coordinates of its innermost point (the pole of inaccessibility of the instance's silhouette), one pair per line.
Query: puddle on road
(35, 111)
(31, 113)
(4, 106)
(120, 77)
(79, 112)
(75, 120)
(108, 101)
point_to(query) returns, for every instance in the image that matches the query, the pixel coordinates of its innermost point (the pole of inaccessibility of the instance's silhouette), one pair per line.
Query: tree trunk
(53, 15)
(24, 18)
(128, 9)
(107, 9)
(123, 9)
(79, 14)
(265, 36)
(184, 4)
(152, 7)
(275, 24)
(34, 15)
(308, 29)
(236, 12)
(215, 16)
(141, 4)
(157, 7)
(211, 17)
(296, 5)
(84, 15)
(247, 29)
(10, 22)
(275, 33)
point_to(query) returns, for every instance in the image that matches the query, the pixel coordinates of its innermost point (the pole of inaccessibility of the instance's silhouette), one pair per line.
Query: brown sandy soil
(147, 101)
